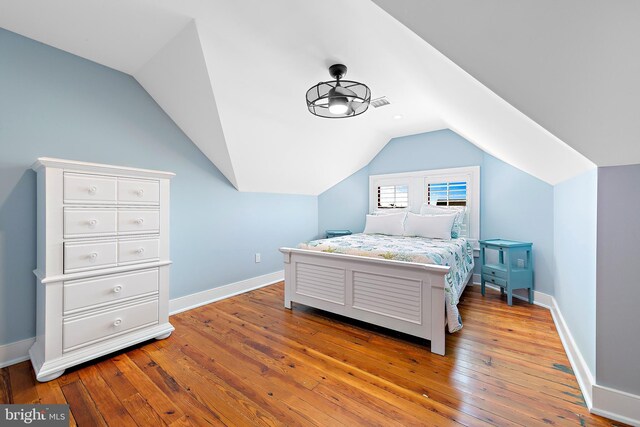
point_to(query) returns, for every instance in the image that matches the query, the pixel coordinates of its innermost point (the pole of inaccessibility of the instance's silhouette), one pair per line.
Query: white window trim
(416, 181)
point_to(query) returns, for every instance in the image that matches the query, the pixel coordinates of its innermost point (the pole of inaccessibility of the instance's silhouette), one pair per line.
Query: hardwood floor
(248, 361)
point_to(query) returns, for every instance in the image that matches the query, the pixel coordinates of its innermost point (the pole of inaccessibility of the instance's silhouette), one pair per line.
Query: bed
(408, 284)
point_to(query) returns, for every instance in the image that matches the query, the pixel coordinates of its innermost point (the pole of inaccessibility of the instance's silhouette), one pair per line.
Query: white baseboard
(539, 298)
(15, 352)
(617, 405)
(189, 302)
(18, 351)
(578, 364)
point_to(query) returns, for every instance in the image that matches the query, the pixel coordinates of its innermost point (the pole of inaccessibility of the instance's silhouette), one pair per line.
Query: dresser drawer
(134, 251)
(90, 256)
(79, 294)
(89, 222)
(98, 327)
(490, 270)
(135, 221)
(138, 191)
(495, 280)
(85, 188)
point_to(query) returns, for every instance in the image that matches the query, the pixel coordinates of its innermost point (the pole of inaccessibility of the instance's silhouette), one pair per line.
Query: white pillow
(427, 209)
(392, 224)
(390, 211)
(432, 226)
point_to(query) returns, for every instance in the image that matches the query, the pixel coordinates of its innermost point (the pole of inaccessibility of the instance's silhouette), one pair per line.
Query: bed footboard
(403, 296)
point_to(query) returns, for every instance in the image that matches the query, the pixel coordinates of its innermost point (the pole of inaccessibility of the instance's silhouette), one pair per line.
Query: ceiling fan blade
(353, 107)
(345, 92)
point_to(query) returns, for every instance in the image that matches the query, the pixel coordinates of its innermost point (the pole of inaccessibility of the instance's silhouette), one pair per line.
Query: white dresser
(102, 261)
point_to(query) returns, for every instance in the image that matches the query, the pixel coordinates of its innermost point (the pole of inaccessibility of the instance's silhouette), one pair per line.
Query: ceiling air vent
(380, 102)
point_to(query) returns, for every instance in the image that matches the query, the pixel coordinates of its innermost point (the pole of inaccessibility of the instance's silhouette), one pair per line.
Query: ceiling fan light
(338, 104)
(338, 108)
(338, 98)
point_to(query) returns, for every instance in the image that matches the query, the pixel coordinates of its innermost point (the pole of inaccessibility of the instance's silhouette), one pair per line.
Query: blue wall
(342, 206)
(56, 104)
(434, 150)
(575, 221)
(514, 205)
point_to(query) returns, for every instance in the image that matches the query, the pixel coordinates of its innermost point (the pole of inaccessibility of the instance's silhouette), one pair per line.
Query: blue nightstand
(513, 268)
(337, 233)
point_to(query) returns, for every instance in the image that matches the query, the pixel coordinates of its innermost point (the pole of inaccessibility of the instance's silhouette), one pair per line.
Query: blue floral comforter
(455, 253)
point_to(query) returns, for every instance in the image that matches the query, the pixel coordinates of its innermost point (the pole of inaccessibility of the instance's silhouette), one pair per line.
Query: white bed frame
(404, 296)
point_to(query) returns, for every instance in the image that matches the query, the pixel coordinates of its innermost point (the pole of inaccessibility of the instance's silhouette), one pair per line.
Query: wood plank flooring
(248, 361)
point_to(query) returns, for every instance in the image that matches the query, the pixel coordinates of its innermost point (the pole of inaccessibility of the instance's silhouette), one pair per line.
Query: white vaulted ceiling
(571, 66)
(233, 74)
(120, 34)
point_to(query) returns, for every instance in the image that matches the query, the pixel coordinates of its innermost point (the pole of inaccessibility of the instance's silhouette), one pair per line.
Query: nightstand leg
(509, 296)
(482, 286)
(530, 295)
(501, 291)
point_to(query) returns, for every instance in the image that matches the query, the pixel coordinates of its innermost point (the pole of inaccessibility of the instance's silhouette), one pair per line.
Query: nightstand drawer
(494, 280)
(491, 271)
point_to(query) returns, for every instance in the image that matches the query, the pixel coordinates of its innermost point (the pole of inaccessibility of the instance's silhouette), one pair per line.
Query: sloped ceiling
(233, 74)
(572, 66)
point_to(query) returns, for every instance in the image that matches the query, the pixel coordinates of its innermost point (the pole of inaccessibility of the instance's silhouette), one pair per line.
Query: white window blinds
(446, 193)
(393, 196)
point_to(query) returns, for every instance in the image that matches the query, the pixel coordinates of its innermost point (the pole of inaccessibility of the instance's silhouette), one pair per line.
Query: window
(447, 193)
(393, 196)
(457, 187)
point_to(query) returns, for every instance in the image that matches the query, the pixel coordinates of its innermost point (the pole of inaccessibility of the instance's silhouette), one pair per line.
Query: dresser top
(98, 168)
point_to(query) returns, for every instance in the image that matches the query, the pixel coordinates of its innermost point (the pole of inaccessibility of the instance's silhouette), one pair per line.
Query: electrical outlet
(520, 263)
(257, 257)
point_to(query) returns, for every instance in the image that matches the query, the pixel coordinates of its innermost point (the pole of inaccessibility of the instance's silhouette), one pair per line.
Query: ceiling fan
(338, 98)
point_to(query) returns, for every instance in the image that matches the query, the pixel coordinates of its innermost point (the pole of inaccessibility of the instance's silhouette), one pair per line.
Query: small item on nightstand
(337, 233)
(512, 269)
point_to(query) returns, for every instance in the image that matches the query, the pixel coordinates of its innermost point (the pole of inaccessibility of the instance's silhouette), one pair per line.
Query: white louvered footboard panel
(393, 297)
(326, 283)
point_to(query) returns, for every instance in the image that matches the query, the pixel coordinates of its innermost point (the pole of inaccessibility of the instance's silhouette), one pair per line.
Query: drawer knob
(93, 255)
(93, 222)
(117, 322)
(117, 289)
(140, 221)
(93, 189)
(140, 192)
(493, 272)
(140, 250)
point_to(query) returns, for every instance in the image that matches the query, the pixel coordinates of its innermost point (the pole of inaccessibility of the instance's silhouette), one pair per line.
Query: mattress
(455, 253)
